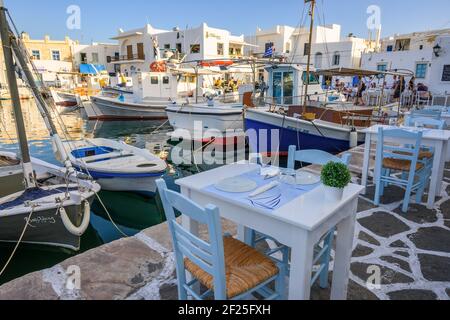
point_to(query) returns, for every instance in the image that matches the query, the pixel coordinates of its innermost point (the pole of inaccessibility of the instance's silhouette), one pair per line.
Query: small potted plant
(335, 177)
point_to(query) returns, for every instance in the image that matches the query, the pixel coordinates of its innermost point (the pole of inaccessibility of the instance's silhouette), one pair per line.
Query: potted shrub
(335, 177)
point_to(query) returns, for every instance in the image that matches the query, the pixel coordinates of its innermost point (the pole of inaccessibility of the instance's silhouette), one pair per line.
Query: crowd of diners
(398, 87)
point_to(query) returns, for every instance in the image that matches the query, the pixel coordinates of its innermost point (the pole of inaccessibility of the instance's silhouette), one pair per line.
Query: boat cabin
(162, 85)
(286, 84)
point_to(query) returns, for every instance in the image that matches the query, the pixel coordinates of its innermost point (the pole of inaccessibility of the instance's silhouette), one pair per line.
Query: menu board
(446, 73)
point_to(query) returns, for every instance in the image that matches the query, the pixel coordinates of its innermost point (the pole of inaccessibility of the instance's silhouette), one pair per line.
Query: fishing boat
(40, 203)
(116, 166)
(56, 209)
(64, 99)
(127, 107)
(152, 92)
(215, 116)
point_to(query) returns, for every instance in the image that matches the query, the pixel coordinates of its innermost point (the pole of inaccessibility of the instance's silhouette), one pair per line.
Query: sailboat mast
(33, 86)
(308, 65)
(14, 92)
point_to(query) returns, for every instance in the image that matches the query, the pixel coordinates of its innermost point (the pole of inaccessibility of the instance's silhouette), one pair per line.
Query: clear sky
(100, 19)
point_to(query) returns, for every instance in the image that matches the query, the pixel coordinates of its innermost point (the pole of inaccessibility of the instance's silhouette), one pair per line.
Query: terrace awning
(91, 68)
(349, 72)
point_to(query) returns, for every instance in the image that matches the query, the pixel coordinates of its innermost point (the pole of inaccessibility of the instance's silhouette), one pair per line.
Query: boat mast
(308, 67)
(41, 104)
(14, 92)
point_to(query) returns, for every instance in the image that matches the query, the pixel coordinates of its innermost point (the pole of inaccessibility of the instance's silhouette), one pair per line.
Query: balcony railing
(128, 57)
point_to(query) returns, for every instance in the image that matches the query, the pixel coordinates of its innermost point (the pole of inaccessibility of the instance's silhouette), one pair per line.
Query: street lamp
(437, 50)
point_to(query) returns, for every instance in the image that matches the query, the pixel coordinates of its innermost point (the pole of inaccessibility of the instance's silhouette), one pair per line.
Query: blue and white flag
(269, 52)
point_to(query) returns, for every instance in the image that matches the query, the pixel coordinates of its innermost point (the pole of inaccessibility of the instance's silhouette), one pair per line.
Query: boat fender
(353, 138)
(77, 231)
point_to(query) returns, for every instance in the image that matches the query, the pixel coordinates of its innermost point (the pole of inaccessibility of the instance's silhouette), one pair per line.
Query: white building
(426, 54)
(329, 49)
(96, 53)
(137, 47)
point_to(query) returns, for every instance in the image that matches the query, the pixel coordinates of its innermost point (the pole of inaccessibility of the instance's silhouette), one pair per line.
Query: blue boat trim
(291, 137)
(112, 175)
(91, 151)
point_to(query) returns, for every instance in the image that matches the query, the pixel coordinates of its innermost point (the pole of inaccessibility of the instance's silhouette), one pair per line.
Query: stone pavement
(411, 251)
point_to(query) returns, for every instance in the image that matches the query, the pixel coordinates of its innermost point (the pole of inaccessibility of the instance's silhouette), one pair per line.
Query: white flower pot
(333, 194)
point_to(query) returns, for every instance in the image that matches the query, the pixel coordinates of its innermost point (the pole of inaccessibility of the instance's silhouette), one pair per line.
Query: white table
(437, 139)
(299, 224)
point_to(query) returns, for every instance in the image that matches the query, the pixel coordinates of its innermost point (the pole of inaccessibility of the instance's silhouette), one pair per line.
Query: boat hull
(194, 119)
(145, 186)
(113, 109)
(290, 131)
(45, 227)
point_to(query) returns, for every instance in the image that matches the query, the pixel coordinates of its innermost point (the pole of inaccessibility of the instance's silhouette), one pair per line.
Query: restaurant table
(437, 139)
(298, 224)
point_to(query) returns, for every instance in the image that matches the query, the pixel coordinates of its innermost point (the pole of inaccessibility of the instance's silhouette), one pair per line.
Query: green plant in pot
(335, 177)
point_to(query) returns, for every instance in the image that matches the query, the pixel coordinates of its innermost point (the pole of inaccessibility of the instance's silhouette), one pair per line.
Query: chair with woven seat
(414, 174)
(228, 268)
(426, 154)
(323, 249)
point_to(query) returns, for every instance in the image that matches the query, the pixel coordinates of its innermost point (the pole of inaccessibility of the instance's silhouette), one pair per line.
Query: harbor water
(130, 212)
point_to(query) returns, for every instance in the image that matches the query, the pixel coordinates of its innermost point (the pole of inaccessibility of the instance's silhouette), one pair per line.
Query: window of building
(336, 59)
(288, 47)
(83, 57)
(238, 51)
(108, 59)
(390, 48)
(195, 48)
(220, 49)
(36, 54)
(56, 55)
(154, 80)
(402, 44)
(179, 47)
(382, 67)
(306, 49)
(94, 57)
(165, 80)
(421, 47)
(167, 46)
(446, 73)
(318, 60)
(421, 70)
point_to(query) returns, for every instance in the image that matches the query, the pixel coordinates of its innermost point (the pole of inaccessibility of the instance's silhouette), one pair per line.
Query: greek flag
(269, 52)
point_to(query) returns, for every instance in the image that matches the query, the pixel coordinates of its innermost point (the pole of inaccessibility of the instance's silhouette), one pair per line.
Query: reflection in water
(131, 212)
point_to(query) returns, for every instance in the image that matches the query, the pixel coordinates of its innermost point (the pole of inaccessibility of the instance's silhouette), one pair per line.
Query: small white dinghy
(117, 166)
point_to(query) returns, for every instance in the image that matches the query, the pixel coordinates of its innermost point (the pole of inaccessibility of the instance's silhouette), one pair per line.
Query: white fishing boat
(127, 107)
(152, 91)
(219, 117)
(116, 166)
(64, 99)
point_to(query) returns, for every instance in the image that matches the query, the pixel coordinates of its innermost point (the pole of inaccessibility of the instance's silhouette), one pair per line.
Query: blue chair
(404, 159)
(322, 252)
(425, 122)
(228, 268)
